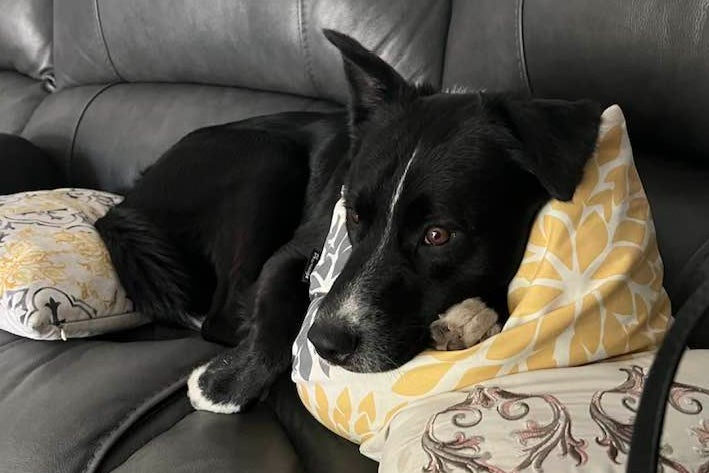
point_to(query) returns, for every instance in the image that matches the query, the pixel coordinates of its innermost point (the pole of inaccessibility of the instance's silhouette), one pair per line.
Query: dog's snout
(332, 342)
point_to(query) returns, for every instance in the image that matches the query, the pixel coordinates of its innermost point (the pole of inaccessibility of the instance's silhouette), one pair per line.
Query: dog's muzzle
(334, 342)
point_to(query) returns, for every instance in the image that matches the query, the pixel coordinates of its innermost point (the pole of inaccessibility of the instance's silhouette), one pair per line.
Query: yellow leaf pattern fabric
(589, 288)
(56, 277)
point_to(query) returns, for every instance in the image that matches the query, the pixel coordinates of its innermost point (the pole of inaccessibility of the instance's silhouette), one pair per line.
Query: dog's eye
(436, 236)
(352, 216)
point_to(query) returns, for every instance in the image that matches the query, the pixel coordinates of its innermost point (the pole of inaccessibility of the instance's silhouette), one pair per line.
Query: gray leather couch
(106, 86)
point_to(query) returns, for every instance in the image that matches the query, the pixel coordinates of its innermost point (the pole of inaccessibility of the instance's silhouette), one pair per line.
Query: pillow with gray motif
(56, 277)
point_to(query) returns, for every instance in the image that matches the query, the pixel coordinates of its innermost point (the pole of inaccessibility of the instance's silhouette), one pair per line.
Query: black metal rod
(644, 451)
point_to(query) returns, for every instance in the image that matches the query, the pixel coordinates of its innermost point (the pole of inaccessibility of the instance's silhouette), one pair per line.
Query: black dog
(441, 191)
(25, 167)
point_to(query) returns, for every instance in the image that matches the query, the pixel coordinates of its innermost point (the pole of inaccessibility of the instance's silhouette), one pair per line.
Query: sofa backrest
(266, 45)
(25, 60)
(133, 76)
(26, 37)
(648, 56)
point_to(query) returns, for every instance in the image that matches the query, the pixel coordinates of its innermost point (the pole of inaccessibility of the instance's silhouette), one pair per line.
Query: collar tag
(314, 258)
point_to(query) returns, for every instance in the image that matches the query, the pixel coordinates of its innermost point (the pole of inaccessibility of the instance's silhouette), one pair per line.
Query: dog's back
(25, 167)
(196, 229)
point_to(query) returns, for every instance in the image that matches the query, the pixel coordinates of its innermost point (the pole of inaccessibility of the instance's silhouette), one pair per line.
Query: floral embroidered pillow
(589, 288)
(56, 277)
(573, 419)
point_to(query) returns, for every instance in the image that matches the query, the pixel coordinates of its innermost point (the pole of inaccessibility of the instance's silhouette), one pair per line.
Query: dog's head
(440, 197)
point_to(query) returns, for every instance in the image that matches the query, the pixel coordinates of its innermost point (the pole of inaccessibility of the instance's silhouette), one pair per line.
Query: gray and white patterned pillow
(333, 257)
(56, 277)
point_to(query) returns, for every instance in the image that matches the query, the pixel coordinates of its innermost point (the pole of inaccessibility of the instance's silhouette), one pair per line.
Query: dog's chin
(374, 361)
(359, 364)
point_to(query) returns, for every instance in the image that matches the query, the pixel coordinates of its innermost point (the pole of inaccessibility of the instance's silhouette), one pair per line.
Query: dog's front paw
(204, 393)
(464, 325)
(228, 384)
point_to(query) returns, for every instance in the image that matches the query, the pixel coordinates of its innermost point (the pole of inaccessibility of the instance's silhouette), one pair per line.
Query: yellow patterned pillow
(56, 277)
(589, 289)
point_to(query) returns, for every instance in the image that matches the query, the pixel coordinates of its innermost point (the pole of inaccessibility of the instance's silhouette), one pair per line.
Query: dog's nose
(333, 343)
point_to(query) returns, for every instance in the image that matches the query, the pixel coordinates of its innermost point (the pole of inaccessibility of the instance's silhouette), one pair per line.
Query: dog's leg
(241, 241)
(464, 325)
(242, 374)
(218, 326)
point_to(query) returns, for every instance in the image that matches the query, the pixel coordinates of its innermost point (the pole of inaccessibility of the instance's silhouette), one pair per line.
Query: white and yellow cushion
(589, 288)
(56, 277)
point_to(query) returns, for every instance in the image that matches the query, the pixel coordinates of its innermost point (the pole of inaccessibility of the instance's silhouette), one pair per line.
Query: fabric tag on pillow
(589, 289)
(56, 277)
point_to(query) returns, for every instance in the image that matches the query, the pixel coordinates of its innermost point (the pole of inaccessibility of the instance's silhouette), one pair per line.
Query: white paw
(198, 399)
(464, 325)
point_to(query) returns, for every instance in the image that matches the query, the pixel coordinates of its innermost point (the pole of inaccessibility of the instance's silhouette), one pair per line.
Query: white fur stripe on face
(354, 307)
(394, 201)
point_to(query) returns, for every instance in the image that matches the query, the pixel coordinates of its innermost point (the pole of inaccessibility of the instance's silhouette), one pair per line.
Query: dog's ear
(372, 81)
(558, 138)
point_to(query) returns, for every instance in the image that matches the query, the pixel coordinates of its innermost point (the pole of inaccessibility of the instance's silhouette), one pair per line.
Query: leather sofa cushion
(266, 45)
(26, 37)
(649, 57)
(64, 404)
(105, 135)
(483, 50)
(19, 97)
(218, 443)
(679, 200)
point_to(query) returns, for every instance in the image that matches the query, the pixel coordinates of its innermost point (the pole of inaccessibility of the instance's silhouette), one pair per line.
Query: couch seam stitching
(519, 47)
(70, 162)
(32, 112)
(105, 43)
(96, 457)
(153, 439)
(444, 53)
(11, 343)
(142, 406)
(303, 36)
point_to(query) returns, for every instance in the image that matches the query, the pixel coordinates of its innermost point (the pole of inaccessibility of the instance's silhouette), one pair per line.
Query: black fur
(244, 204)
(211, 212)
(26, 167)
(149, 265)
